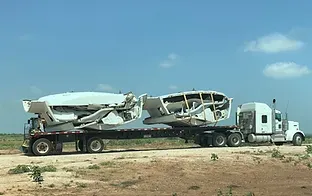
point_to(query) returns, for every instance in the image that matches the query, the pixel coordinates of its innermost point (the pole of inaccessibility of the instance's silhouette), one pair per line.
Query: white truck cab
(260, 123)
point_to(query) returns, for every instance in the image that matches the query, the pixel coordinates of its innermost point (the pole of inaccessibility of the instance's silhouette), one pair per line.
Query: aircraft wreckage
(189, 108)
(86, 110)
(103, 111)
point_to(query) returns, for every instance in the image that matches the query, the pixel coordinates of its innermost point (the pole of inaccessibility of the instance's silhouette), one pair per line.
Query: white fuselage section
(93, 110)
(189, 108)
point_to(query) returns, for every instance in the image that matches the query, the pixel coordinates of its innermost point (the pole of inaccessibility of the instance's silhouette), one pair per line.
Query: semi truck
(255, 123)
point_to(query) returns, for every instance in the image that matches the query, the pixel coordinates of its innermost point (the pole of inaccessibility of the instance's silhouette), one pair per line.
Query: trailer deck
(43, 143)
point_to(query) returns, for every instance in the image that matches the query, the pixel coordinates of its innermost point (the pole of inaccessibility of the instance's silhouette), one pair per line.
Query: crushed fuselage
(189, 108)
(88, 110)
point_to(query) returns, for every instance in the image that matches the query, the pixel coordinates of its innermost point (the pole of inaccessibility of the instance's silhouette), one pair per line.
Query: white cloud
(35, 90)
(282, 70)
(273, 43)
(166, 64)
(173, 87)
(24, 37)
(170, 61)
(172, 56)
(105, 87)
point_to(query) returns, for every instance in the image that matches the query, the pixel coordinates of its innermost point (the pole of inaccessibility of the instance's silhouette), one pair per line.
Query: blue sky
(251, 51)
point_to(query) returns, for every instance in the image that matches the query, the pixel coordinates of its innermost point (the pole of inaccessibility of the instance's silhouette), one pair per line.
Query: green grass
(14, 141)
(93, 167)
(11, 141)
(308, 139)
(19, 169)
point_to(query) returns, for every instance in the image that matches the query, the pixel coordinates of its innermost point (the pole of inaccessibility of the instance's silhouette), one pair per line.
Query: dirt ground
(189, 171)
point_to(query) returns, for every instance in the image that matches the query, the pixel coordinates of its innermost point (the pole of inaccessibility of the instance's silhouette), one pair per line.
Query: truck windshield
(278, 116)
(34, 124)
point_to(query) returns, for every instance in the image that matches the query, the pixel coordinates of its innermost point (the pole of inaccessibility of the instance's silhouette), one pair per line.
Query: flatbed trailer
(255, 123)
(90, 141)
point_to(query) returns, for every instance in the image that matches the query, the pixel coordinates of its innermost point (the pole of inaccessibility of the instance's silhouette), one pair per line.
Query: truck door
(264, 125)
(278, 123)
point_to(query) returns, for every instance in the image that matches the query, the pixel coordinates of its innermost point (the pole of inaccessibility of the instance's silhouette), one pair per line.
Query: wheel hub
(298, 139)
(235, 140)
(220, 140)
(42, 147)
(95, 145)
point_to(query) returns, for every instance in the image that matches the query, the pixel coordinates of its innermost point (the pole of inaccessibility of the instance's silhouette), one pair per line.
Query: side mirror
(274, 100)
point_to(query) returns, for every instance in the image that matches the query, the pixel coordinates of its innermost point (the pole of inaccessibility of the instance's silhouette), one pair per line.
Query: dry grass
(265, 171)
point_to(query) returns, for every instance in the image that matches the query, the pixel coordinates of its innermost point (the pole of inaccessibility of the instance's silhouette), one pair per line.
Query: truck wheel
(42, 147)
(218, 140)
(297, 139)
(95, 145)
(203, 141)
(234, 140)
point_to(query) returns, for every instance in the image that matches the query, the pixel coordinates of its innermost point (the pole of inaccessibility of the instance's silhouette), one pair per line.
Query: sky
(249, 50)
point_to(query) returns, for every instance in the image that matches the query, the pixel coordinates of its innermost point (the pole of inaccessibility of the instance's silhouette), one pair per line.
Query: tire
(219, 140)
(95, 145)
(234, 140)
(297, 139)
(203, 141)
(42, 147)
(80, 145)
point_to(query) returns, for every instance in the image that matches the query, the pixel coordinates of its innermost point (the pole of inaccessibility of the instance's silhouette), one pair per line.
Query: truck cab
(260, 123)
(33, 125)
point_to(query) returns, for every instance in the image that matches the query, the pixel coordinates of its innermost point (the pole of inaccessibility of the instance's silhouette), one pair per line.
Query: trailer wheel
(203, 141)
(219, 140)
(234, 140)
(95, 145)
(80, 145)
(42, 147)
(297, 139)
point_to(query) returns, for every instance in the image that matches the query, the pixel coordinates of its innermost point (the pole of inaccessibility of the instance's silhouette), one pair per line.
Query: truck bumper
(25, 146)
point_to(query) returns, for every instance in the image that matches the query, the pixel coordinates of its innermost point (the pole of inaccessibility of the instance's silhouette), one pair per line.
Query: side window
(278, 117)
(264, 118)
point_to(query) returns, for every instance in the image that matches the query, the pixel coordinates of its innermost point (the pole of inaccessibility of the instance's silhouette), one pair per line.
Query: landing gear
(58, 148)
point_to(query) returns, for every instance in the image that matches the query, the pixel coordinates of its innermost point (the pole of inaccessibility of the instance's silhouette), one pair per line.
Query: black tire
(297, 139)
(203, 141)
(234, 140)
(219, 140)
(42, 147)
(95, 145)
(80, 145)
